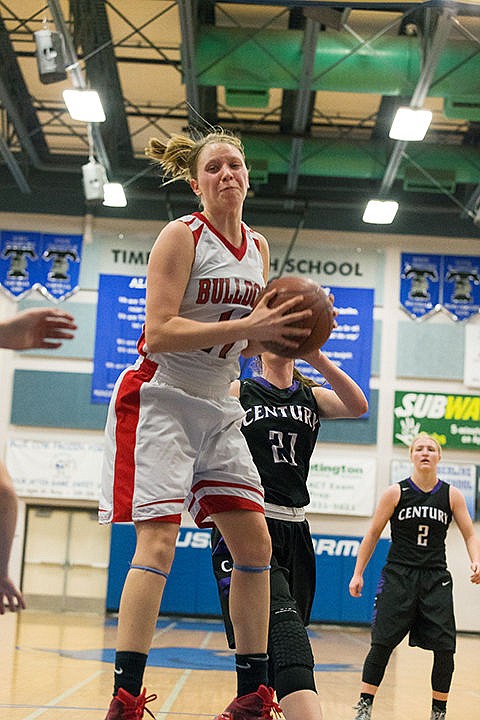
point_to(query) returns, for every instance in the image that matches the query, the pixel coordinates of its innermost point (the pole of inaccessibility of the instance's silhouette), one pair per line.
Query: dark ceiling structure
(311, 87)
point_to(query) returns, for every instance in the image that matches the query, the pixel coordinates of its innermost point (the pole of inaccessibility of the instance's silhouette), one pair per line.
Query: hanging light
(114, 195)
(84, 105)
(410, 124)
(380, 212)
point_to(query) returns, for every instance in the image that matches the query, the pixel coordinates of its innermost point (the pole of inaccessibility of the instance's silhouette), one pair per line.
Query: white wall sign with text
(55, 468)
(341, 487)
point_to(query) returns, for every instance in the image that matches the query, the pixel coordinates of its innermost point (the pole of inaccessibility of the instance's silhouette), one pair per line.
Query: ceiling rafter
(315, 137)
(15, 97)
(91, 31)
(433, 45)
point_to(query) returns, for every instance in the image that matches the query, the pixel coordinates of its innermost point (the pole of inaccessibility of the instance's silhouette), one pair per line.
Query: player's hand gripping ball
(321, 322)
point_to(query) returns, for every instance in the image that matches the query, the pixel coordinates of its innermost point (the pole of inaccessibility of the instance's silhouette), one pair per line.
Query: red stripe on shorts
(127, 411)
(221, 483)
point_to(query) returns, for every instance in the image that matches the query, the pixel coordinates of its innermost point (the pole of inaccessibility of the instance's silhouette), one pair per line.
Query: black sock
(439, 705)
(252, 671)
(128, 673)
(368, 697)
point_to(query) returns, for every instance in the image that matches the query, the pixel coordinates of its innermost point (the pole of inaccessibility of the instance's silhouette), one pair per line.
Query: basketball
(320, 322)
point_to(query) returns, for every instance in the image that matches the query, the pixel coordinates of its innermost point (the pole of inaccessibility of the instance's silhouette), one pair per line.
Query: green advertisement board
(454, 420)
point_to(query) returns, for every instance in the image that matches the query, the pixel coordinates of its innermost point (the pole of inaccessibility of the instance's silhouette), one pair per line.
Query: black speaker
(50, 56)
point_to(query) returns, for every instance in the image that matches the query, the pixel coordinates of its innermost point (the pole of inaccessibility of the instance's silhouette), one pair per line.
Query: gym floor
(56, 665)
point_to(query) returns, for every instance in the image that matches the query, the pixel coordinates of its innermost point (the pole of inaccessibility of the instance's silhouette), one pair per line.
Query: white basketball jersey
(224, 284)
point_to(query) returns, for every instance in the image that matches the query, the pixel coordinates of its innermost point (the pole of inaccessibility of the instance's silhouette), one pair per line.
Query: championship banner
(341, 487)
(420, 278)
(55, 468)
(120, 319)
(60, 265)
(461, 475)
(429, 283)
(19, 262)
(461, 286)
(454, 420)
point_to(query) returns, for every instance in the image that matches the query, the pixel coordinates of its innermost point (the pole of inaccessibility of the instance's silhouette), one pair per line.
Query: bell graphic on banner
(50, 56)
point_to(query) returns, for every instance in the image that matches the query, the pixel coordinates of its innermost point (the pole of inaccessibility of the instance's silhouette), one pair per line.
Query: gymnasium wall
(46, 395)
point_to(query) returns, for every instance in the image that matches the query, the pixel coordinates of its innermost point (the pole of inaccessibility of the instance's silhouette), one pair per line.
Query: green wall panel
(358, 431)
(82, 345)
(55, 399)
(430, 350)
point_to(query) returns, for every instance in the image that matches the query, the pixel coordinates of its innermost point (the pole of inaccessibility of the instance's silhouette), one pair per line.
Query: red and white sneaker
(259, 705)
(125, 706)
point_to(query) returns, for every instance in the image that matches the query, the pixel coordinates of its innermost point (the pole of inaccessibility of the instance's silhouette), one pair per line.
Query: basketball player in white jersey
(173, 437)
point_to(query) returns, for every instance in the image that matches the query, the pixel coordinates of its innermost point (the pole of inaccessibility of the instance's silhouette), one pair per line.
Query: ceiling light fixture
(380, 212)
(114, 195)
(84, 105)
(410, 124)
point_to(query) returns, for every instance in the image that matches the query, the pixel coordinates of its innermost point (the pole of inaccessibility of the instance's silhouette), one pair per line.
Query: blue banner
(120, 318)
(60, 267)
(420, 284)
(349, 345)
(429, 283)
(461, 286)
(19, 256)
(43, 261)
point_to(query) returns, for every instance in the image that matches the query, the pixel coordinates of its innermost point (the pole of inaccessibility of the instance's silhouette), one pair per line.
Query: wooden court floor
(59, 666)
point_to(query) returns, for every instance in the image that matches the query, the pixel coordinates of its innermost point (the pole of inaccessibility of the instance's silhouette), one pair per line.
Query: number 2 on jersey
(422, 537)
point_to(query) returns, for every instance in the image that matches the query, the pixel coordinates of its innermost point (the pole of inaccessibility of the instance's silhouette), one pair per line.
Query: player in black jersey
(414, 593)
(283, 411)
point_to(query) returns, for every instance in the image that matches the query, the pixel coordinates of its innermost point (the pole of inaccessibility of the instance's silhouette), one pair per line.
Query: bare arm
(383, 513)
(464, 522)
(10, 596)
(37, 328)
(254, 347)
(345, 399)
(169, 270)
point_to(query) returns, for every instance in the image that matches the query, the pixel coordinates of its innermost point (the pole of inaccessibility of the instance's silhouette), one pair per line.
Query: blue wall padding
(191, 589)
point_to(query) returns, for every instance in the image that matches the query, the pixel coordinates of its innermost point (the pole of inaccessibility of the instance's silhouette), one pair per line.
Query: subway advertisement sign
(452, 419)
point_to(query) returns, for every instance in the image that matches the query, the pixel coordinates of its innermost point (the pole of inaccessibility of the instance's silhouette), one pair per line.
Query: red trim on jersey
(196, 233)
(127, 411)
(237, 252)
